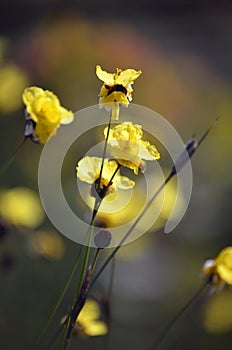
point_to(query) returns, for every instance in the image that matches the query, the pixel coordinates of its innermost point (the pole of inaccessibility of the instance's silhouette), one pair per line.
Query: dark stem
(130, 230)
(207, 131)
(180, 313)
(81, 298)
(104, 152)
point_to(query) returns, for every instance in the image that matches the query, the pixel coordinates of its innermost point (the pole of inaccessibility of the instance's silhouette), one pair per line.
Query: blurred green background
(184, 51)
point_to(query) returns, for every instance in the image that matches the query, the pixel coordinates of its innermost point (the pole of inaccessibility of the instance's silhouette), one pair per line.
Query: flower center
(117, 87)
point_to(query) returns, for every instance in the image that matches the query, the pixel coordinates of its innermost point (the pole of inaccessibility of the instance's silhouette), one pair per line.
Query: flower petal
(114, 97)
(147, 151)
(224, 265)
(43, 131)
(90, 312)
(128, 147)
(124, 183)
(107, 78)
(128, 76)
(129, 164)
(66, 116)
(96, 328)
(88, 169)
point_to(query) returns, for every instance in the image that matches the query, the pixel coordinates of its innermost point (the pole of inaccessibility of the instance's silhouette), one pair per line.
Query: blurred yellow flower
(88, 170)
(88, 322)
(155, 218)
(21, 207)
(224, 265)
(47, 244)
(217, 317)
(128, 147)
(13, 81)
(117, 88)
(44, 113)
(219, 270)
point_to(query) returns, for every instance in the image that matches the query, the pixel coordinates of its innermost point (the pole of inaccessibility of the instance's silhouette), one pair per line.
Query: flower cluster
(128, 149)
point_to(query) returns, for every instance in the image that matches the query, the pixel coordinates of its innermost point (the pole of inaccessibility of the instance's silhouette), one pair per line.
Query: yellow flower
(219, 270)
(44, 113)
(88, 170)
(128, 147)
(117, 88)
(88, 322)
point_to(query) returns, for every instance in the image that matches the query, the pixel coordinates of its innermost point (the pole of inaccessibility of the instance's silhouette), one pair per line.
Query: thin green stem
(8, 162)
(87, 248)
(180, 313)
(67, 341)
(83, 270)
(95, 260)
(59, 300)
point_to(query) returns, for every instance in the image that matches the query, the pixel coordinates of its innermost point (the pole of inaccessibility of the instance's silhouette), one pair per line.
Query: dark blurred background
(184, 51)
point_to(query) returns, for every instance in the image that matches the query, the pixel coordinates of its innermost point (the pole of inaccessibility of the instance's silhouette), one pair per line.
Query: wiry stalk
(8, 162)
